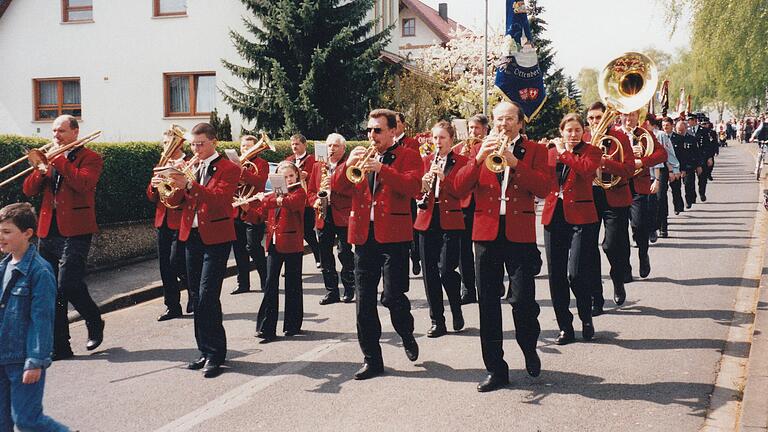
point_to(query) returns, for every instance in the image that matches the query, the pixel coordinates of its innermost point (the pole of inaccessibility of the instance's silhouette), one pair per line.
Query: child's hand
(31, 376)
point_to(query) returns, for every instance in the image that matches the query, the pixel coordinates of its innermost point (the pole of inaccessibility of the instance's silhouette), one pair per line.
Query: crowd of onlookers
(741, 130)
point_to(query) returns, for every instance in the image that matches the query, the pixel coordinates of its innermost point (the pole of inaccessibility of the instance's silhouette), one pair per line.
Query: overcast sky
(624, 25)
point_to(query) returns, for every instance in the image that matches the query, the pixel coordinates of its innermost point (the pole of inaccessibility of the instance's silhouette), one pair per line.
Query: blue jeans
(22, 404)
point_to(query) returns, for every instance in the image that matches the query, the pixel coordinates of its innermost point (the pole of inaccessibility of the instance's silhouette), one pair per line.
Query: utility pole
(485, 63)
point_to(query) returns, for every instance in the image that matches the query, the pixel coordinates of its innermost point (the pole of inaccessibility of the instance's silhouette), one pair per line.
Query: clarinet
(423, 203)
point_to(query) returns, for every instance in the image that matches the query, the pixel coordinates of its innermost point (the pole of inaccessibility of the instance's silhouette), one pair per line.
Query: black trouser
(690, 186)
(206, 266)
(374, 260)
(171, 256)
(310, 236)
(68, 256)
(662, 201)
(413, 246)
(641, 219)
(467, 256)
(615, 244)
(439, 251)
(706, 171)
(247, 246)
(677, 196)
(327, 237)
(266, 321)
(568, 249)
(525, 261)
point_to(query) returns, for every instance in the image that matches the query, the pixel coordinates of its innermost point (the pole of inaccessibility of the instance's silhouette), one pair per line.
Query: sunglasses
(376, 130)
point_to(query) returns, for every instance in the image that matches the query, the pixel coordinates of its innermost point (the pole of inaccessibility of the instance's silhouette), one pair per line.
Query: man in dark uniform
(700, 139)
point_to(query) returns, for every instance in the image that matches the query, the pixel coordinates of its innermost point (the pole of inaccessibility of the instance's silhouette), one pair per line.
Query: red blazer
(398, 181)
(288, 226)
(259, 180)
(308, 166)
(466, 200)
(171, 217)
(213, 203)
(642, 181)
(528, 179)
(451, 217)
(619, 195)
(410, 143)
(341, 194)
(76, 197)
(578, 199)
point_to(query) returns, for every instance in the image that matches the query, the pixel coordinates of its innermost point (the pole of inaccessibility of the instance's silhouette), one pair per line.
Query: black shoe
(211, 369)
(330, 298)
(190, 307)
(62, 355)
(597, 310)
(197, 364)
(468, 299)
(493, 382)
(587, 331)
(663, 234)
(653, 237)
(348, 298)
(619, 294)
(239, 290)
(95, 336)
(416, 268)
(411, 348)
(628, 278)
(435, 331)
(533, 363)
(170, 314)
(368, 371)
(703, 197)
(677, 212)
(689, 205)
(317, 264)
(265, 339)
(292, 332)
(565, 338)
(645, 266)
(458, 321)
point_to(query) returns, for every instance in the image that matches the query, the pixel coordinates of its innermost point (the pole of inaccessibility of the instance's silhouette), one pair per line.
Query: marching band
(474, 218)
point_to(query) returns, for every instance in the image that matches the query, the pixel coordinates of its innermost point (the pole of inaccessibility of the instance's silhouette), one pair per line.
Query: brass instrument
(245, 190)
(324, 194)
(625, 85)
(255, 197)
(423, 203)
(177, 142)
(39, 158)
(356, 173)
(23, 158)
(495, 162)
(645, 142)
(165, 188)
(468, 144)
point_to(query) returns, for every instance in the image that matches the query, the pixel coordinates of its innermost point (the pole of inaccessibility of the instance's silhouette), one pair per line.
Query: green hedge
(120, 194)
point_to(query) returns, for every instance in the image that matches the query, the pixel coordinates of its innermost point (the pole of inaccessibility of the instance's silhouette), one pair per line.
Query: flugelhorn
(625, 85)
(38, 158)
(356, 172)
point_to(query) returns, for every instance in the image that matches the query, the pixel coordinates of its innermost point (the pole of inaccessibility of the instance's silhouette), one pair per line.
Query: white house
(131, 68)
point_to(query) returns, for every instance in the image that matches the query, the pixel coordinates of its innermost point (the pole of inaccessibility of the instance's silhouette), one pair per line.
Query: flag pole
(485, 64)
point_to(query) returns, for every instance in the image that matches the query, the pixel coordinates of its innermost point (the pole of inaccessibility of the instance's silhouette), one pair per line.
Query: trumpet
(356, 173)
(495, 162)
(324, 194)
(468, 144)
(165, 189)
(38, 159)
(423, 203)
(256, 197)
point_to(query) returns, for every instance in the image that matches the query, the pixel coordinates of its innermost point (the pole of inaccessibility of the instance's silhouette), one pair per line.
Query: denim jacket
(27, 308)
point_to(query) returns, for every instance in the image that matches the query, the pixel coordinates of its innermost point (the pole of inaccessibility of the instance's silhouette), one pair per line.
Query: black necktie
(56, 179)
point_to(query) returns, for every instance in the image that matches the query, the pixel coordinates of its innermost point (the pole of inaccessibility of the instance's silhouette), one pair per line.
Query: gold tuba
(625, 85)
(355, 173)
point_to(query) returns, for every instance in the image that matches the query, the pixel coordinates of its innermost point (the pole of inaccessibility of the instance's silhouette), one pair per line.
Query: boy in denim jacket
(27, 303)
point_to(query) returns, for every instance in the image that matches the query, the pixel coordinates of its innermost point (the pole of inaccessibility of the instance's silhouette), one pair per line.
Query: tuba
(626, 84)
(355, 173)
(244, 190)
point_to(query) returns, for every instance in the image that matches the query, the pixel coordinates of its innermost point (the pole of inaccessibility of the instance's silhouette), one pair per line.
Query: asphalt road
(652, 365)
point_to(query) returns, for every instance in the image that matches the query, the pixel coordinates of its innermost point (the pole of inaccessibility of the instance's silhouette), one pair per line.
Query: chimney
(442, 9)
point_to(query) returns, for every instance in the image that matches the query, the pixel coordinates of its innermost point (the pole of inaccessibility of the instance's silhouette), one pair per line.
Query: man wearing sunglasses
(380, 228)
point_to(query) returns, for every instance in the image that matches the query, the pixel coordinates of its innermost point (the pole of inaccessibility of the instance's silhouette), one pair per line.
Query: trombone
(356, 173)
(39, 158)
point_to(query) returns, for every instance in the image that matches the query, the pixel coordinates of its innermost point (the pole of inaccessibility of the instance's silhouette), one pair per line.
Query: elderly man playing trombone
(66, 225)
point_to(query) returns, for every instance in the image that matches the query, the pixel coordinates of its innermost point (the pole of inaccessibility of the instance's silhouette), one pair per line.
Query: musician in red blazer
(66, 226)
(440, 223)
(643, 202)
(249, 229)
(478, 128)
(284, 245)
(170, 251)
(305, 162)
(333, 227)
(380, 226)
(612, 207)
(570, 219)
(505, 233)
(208, 228)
